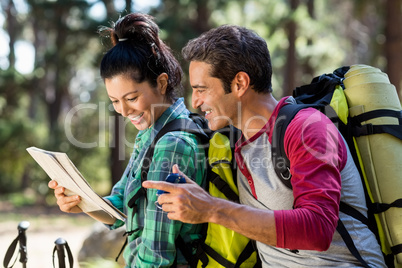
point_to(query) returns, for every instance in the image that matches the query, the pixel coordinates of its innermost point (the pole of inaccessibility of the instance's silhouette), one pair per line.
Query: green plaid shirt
(153, 245)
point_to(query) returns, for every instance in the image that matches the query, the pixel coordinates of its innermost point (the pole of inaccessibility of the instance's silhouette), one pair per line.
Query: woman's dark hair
(139, 53)
(232, 49)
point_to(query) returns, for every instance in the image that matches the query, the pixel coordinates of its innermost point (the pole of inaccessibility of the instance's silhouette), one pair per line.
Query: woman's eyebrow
(128, 93)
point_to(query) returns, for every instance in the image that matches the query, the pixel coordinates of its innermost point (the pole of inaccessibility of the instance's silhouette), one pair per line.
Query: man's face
(219, 107)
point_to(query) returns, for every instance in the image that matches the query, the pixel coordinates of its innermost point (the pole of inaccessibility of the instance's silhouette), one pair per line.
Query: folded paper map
(60, 168)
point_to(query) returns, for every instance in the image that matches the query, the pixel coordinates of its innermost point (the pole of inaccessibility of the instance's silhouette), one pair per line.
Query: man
(230, 73)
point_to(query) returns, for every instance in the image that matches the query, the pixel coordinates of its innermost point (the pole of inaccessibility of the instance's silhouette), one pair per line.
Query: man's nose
(195, 101)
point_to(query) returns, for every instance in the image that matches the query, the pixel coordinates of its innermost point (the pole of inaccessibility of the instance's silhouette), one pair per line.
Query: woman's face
(139, 102)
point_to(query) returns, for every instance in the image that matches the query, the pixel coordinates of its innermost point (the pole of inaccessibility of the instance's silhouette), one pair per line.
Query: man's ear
(241, 83)
(162, 82)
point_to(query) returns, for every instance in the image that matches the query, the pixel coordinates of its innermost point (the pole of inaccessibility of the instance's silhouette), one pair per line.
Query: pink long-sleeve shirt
(317, 154)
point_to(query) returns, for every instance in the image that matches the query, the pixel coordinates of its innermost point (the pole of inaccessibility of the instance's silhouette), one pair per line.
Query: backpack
(218, 246)
(365, 107)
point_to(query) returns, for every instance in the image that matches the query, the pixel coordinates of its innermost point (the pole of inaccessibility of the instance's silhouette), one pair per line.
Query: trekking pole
(22, 240)
(22, 227)
(62, 244)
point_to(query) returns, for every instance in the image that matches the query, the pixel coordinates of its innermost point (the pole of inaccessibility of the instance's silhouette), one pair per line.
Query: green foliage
(17, 132)
(19, 200)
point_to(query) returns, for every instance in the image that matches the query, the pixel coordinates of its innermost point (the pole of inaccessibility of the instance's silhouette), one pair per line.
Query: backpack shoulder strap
(180, 124)
(186, 251)
(229, 134)
(279, 158)
(349, 243)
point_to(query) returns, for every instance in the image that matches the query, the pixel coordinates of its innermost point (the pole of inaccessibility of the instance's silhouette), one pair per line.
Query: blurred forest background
(52, 97)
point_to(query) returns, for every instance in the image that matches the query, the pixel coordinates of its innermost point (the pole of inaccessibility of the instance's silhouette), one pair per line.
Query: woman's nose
(125, 109)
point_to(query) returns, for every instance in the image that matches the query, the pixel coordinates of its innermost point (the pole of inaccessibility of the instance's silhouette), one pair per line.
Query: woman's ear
(241, 83)
(162, 83)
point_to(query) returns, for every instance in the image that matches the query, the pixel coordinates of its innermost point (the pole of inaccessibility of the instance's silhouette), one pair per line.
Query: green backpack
(364, 106)
(219, 246)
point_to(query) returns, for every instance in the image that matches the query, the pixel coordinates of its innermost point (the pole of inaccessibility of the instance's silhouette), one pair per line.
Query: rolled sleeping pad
(368, 89)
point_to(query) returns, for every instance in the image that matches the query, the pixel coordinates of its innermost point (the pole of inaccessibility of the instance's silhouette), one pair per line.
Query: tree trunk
(12, 31)
(308, 69)
(202, 20)
(60, 80)
(116, 149)
(129, 6)
(289, 82)
(110, 10)
(393, 44)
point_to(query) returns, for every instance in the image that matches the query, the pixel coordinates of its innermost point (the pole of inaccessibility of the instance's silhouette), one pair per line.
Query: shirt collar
(174, 111)
(268, 126)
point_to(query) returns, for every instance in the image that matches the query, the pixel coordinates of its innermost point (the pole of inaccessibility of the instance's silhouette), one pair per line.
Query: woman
(141, 75)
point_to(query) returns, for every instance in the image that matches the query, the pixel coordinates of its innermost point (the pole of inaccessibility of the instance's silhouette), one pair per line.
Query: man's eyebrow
(198, 86)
